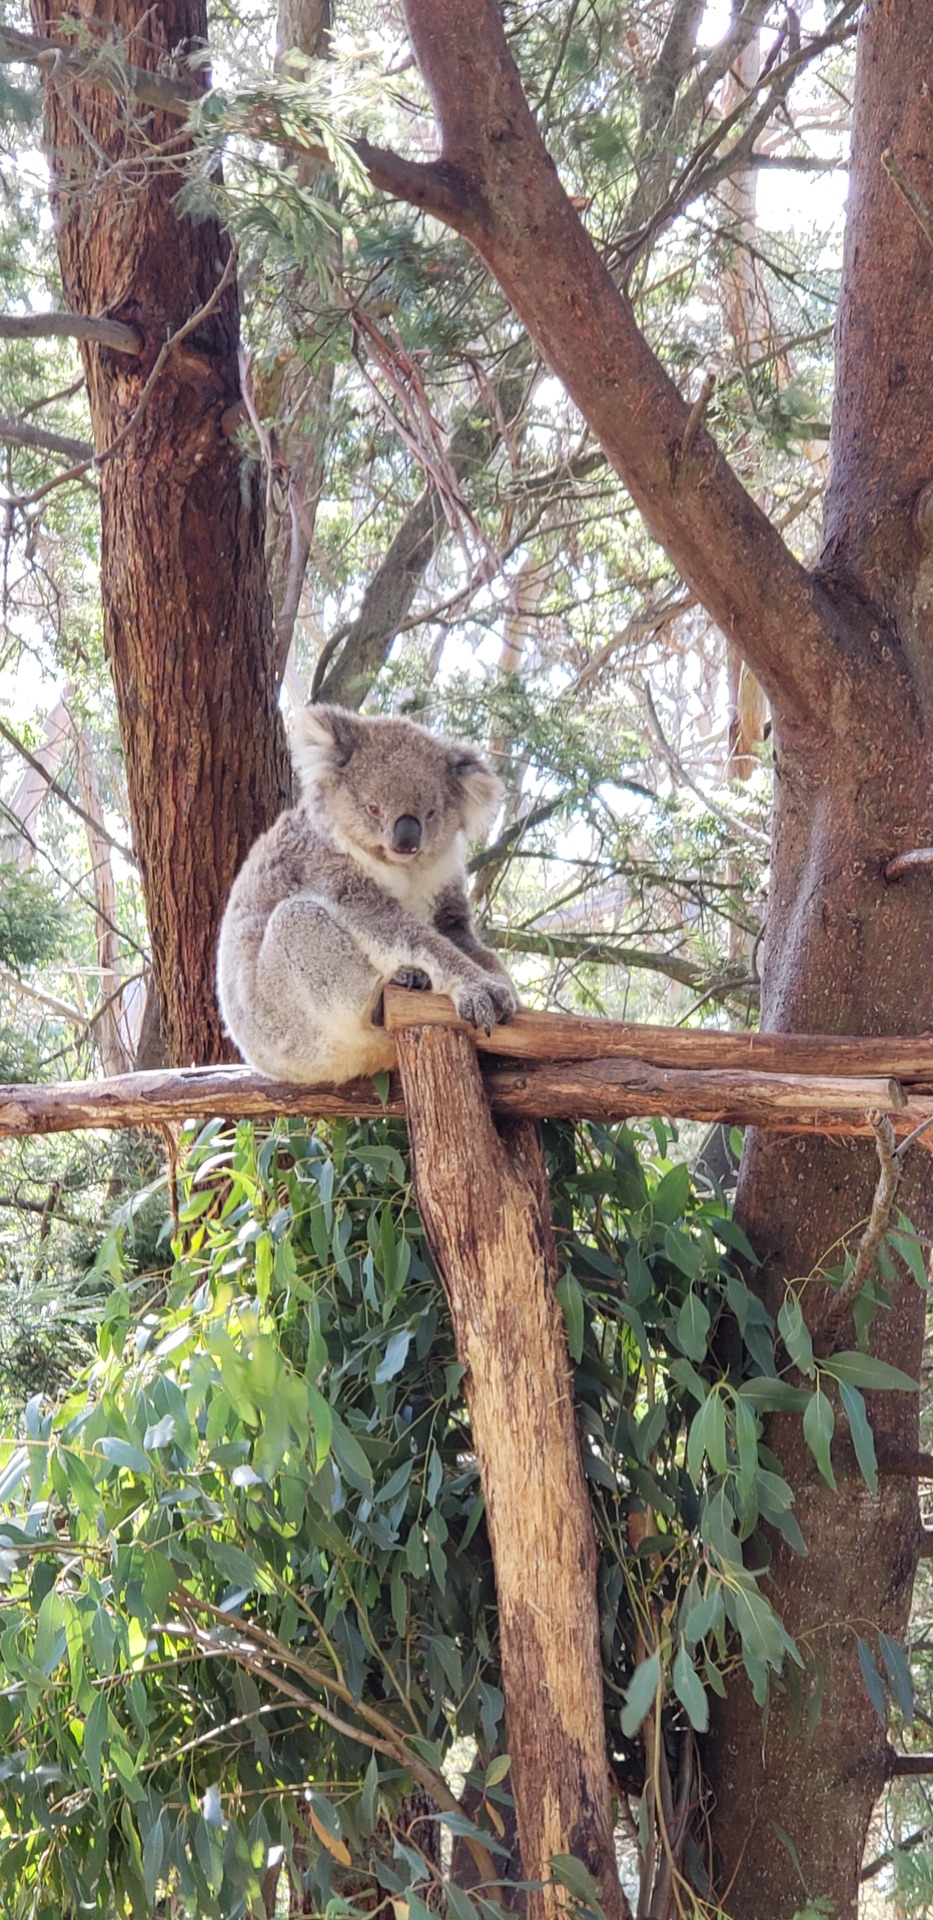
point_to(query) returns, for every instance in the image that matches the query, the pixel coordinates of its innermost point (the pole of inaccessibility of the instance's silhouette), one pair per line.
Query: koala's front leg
(395, 941)
(453, 919)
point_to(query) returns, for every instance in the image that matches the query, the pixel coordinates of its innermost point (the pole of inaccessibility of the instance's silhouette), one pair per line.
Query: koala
(362, 883)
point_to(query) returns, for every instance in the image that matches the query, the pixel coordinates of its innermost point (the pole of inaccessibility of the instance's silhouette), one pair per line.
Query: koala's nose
(406, 834)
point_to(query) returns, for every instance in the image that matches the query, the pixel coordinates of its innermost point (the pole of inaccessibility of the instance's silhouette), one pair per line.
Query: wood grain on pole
(569, 1036)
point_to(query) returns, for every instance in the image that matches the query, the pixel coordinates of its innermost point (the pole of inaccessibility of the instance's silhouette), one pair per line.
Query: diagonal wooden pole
(482, 1194)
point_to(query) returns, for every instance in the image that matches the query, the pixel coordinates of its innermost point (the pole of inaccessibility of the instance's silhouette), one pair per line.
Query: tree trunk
(187, 621)
(846, 950)
(482, 1196)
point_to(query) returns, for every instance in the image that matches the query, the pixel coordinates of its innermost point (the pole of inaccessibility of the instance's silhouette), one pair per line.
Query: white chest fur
(416, 883)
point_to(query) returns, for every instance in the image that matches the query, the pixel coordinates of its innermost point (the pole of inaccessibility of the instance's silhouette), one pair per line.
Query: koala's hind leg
(316, 992)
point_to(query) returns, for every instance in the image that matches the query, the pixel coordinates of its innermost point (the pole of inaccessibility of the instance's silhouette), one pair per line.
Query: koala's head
(389, 787)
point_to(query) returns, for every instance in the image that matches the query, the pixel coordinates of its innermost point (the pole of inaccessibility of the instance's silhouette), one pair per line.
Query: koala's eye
(374, 810)
(431, 813)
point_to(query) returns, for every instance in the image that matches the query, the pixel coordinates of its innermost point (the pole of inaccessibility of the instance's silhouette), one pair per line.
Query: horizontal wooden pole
(630, 1089)
(569, 1036)
(171, 1096)
(598, 1090)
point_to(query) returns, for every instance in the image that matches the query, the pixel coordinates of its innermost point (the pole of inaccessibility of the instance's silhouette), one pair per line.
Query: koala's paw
(414, 978)
(488, 1001)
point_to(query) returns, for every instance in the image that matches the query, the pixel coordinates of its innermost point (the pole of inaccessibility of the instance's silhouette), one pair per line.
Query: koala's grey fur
(364, 881)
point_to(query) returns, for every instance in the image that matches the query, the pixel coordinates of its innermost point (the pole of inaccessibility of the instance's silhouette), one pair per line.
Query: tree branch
(706, 166)
(905, 1766)
(903, 1463)
(596, 950)
(99, 67)
(69, 326)
(62, 794)
(388, 597)
(165, 351)
(883, 1860)
(432, 186)
(722, 543)
(496, 184)
(566, 1066)
(21, 433)
(889, 1173)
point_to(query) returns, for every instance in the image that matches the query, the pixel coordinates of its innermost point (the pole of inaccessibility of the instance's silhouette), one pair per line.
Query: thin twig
(61, 793)
(738, 829)
(60, 1008)
(879, 1220)
(908, 192)
(52, 399)
(909, 1138)
(694, 422)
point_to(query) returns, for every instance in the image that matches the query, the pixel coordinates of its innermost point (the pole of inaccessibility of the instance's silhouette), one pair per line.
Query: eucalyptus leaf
(863, 1370)
(640, 1694)
(862, 1436)
(818, 1424)
(690, 1691)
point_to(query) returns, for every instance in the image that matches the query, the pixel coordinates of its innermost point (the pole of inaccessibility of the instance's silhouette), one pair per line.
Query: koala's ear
(482, 789)
(323, 738)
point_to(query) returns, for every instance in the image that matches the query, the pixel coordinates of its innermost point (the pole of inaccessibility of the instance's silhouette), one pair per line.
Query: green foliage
(247, 1601)
(32, 922)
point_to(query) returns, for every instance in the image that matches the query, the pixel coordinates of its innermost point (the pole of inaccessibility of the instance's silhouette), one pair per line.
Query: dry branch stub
(482, 1196)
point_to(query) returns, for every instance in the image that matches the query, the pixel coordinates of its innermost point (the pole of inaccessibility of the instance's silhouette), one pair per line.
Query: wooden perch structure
(547, 1065)
(481, 1187)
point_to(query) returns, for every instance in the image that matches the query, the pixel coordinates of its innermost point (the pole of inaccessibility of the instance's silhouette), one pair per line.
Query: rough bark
(483, 1200)
(496, 183)
(187, 623)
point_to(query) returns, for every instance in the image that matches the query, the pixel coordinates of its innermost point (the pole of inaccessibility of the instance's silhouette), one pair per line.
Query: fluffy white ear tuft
(322, 741)
(481, 788)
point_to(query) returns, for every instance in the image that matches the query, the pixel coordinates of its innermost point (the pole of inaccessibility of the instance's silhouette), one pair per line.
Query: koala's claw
(414, 978)
(487, 1003)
